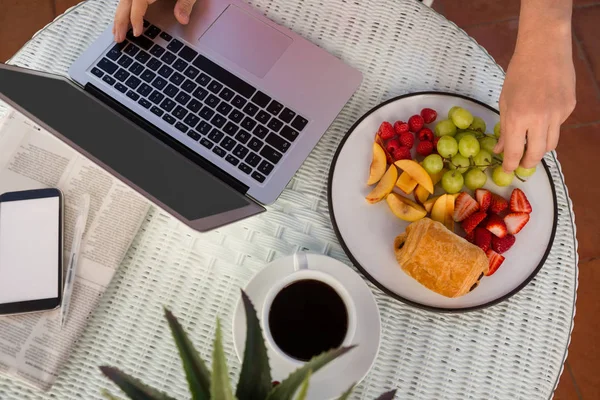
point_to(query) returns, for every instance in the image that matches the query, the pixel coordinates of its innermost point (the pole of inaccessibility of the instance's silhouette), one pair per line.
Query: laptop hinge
(167, 139)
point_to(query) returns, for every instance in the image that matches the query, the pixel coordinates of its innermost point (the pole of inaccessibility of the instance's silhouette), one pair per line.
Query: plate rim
(382, 287)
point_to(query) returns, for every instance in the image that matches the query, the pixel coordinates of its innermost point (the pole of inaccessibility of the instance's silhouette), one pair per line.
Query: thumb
(183, 9)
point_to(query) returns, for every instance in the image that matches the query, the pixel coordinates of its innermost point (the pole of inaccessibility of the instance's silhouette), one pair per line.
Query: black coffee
(307, 318)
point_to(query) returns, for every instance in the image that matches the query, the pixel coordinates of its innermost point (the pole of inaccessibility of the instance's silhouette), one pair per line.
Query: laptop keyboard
(209, 104)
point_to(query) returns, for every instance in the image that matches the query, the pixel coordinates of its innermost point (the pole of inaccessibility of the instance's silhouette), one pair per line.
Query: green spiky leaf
(255, 378)
(288, 387)
(347, 393)
(387, 395)
(198, 376)
(220, 386)
(304, 387)
(132, 387)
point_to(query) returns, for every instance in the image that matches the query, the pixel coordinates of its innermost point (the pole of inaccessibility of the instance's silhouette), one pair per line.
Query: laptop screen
(173, 179)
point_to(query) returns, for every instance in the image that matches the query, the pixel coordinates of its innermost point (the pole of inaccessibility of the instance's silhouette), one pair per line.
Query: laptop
(209, 121)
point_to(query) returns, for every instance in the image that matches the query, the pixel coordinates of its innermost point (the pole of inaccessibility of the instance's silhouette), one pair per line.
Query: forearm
(545, 21)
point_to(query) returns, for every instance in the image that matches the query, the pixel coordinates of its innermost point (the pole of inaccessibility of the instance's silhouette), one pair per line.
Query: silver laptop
(208, 120)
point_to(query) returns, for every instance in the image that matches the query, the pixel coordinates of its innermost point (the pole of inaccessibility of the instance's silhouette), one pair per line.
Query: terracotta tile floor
(493, 23)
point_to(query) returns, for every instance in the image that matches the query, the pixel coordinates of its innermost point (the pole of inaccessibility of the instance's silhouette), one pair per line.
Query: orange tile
(577, 150)
(19, 20)
(498, 39)
(585, 25)
(63, 5)
(584, 351)
(566, 387)
(467, 12)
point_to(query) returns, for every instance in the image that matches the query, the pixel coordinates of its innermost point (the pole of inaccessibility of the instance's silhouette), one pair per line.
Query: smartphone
(31, 251)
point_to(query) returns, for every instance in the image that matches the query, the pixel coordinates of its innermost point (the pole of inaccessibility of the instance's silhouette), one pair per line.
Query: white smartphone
(31, 251)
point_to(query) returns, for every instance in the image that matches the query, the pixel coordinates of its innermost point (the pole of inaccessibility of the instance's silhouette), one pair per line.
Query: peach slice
(449, 217)
(428, 205)
(417, 172)
(385, 185)
(406, 183)
(438, 212)
(377, 165)
(421, 194)
(404, 208)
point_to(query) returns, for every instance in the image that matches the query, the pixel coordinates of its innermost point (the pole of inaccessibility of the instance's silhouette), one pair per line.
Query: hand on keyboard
(134, 11)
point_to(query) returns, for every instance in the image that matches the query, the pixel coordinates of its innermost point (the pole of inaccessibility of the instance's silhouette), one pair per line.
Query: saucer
(335, 378)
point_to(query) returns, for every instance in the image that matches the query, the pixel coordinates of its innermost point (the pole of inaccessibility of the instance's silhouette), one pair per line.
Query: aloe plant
(255, 382)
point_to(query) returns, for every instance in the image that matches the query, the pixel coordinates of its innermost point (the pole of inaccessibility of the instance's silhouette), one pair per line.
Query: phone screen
(30, 249)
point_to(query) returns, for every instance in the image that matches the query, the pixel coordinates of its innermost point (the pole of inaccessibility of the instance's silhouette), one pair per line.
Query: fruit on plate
(425, 135)
(496, 225)
(524, 172)
(407, 139)
(519, 202)
(497, 130)
(404, 208)
(415, 123)
(433, 163)
(385, 185)
(482, 238)
(400, 127)
(484, 198)
(502, 178)
(380, 142)
(425, 148)
(515, 222)
(462, 118)
(392, 145)
(460, 163)
(464, 207)
(447, 147)
(498, 204)
(488, 143)
(478, 124)
(483, 159)
(445, 128)
(417, 172)
(429, 115)
(502, 245)
(473, 221)
(451, 111)
(378, 165)
(462, 134)
(406, 183)
(452, 182)
(421, 194)
(402, 153)
(468, 146)
(443, 211)
(475, 179)
(496, 261)
(429, 203)
(386, 131)
(448, 218)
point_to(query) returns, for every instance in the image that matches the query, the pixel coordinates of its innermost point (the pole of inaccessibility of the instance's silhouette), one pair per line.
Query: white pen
(75, 248)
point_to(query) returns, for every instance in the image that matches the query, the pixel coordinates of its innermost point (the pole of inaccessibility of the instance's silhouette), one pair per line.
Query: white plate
(334, 379)
(367, 231)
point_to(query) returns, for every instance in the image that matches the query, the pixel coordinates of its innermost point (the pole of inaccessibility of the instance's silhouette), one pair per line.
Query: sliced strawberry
(484, 198)
(501, 245)
(380, 142)
(495, 259)
(498, 204)
(496, 225)
(471, 223)
(519, 202)
(515, 222)
(470, 237)
(483, 238)
(464, 207)
(386, 131)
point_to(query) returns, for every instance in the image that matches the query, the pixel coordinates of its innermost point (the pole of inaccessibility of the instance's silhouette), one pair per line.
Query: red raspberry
(392, 145)
(401, 127)
(386, 131)
(435, 141)
(402, 153)
(407, 139)
(428, 115)
(425, 135)
(425, 148)
(415, 123)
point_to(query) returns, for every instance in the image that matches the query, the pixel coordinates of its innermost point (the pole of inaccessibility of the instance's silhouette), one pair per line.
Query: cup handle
(300, 261)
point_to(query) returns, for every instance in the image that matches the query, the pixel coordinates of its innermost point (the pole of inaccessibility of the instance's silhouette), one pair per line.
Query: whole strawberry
(428, 115)
(386, 131)
(392, 145)
(400, 127)
(402, 153)
(425, 148)
(415, 123)
(407, 139)
(425, 135)
(483, 238)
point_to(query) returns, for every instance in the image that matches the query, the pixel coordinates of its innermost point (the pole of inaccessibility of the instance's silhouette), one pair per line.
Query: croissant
(439, 259)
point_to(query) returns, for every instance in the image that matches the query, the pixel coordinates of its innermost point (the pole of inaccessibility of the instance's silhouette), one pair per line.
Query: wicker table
(513, 350)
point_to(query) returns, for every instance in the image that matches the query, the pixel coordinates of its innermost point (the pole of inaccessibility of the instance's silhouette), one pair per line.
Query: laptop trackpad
(245, 40)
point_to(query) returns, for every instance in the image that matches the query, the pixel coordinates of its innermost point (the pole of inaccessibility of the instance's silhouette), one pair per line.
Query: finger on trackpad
(245, 40)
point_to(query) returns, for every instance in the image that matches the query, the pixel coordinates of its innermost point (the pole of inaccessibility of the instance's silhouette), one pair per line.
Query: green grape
(501, 178)
(488, 143)
(475, 178)
(447, 147)
(468, 146)
(462, 134)
(524, 172)
(462, 118)
(497, 130)
(460, 163)
(445, 128)
(478, 124)
(452, 111)
(452, 181)
(433, 164)
(483, 159)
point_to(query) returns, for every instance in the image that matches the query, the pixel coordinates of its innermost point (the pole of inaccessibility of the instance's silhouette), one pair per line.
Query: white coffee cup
(301, 272)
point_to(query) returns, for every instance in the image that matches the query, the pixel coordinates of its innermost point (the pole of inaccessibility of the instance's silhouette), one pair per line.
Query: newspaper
(33, 347)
